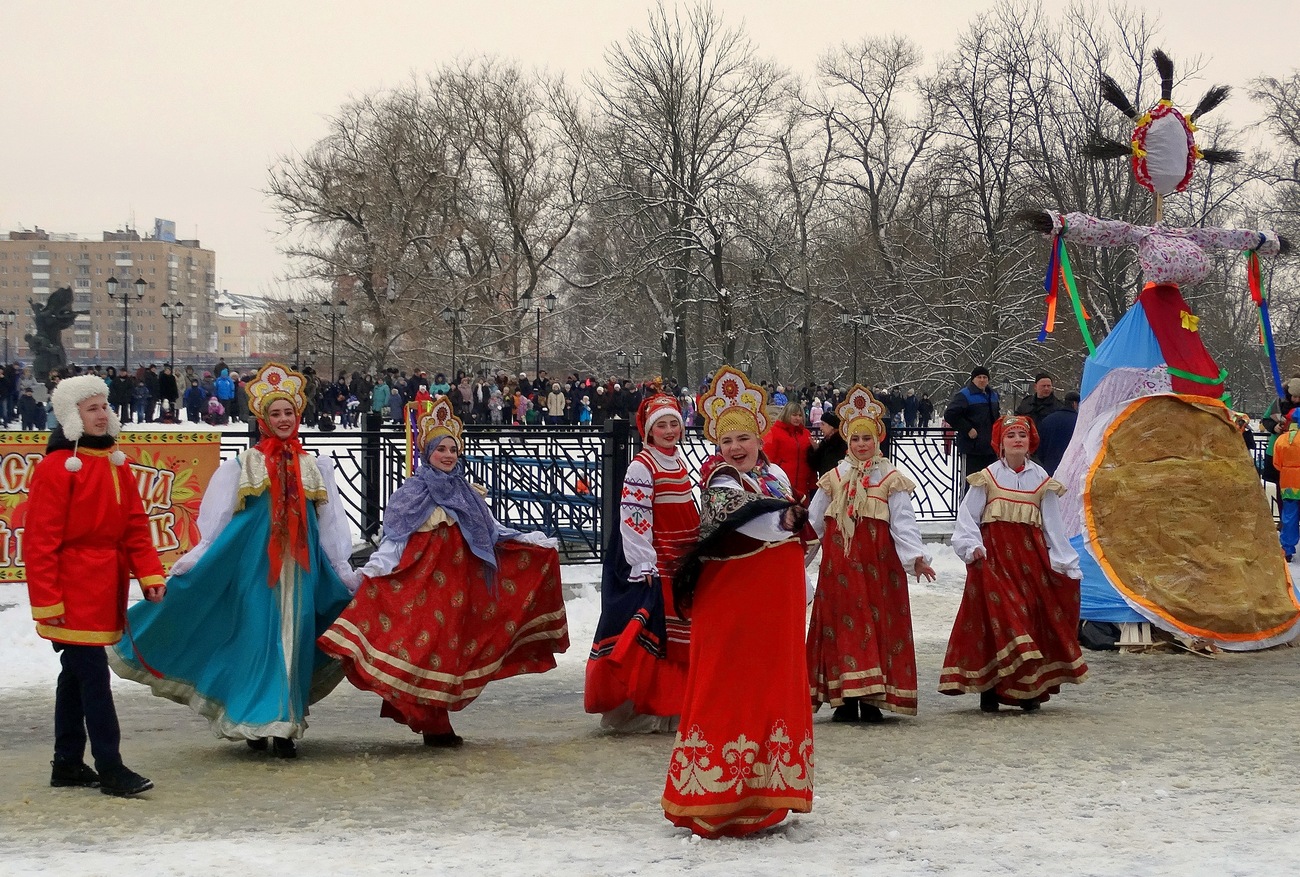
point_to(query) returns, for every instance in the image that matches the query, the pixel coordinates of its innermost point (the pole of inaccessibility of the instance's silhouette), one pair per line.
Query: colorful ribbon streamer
(1059, 273)
(1259, 296)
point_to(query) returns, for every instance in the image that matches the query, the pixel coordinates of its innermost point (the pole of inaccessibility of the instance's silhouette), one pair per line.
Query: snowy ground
(1159, 764)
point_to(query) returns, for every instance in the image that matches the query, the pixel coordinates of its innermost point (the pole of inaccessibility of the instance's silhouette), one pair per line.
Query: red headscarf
(288, 504)
(1002, 424)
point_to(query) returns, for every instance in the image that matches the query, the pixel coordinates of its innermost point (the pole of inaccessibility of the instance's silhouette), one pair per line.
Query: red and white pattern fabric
(430, 635)
(743, 758)
(860, 633)
(1016, 631)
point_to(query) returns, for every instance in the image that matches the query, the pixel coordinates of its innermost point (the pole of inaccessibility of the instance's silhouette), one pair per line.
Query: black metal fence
(554, 478)
(562, 480)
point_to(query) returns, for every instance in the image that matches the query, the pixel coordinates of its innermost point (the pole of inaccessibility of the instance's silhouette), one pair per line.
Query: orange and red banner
(171, 471)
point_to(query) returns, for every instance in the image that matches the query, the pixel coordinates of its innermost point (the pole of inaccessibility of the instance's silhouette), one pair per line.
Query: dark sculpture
(51, 319)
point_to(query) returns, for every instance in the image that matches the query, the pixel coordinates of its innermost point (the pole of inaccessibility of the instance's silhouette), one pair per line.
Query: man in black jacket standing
(1043, 402)
(971, 414)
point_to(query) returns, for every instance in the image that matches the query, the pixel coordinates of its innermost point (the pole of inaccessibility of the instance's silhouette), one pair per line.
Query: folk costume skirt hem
(1017, 629)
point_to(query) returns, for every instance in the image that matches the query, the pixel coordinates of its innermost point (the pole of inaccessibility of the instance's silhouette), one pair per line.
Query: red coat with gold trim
(86, 535)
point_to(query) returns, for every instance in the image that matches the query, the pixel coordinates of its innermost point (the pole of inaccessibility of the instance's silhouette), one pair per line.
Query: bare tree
(683, 108)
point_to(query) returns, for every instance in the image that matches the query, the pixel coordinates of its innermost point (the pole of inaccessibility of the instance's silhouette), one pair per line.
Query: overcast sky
(125, 111)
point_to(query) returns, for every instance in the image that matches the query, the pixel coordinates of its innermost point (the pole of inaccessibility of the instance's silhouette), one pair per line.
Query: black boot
(444, 741)
(122, 782)
(870, 712)
(989, 701)
(1030, 704)
(848, 712)
(64, 774)
(258, 744)
(284, 747)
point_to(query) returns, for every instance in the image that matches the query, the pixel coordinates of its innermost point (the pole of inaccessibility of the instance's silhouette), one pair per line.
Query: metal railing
(555, 478)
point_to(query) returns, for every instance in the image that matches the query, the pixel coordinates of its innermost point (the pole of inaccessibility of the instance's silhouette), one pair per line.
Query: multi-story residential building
(35, 263)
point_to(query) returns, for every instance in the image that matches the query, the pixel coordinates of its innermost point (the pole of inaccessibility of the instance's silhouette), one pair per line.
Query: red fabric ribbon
(288, 504)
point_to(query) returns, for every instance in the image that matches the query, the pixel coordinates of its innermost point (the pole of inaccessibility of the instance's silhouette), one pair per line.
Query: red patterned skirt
(860, 635)
(1017, 628)
(429, 636)
(744, 752)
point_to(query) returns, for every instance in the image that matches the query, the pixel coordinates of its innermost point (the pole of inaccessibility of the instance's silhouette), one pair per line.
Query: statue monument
(46, 344)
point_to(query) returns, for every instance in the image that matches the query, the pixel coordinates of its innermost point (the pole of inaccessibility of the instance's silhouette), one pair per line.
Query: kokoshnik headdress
(731, 404)
(272, 382)
(437, 423)
(860, 412)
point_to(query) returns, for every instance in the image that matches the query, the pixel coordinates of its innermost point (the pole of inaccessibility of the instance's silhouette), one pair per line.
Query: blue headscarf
(430, 487)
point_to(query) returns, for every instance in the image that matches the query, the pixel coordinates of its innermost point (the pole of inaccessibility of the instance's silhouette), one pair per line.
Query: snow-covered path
(1159, 764)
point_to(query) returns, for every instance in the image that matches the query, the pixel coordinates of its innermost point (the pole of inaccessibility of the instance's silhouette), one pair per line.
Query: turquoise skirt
(239, 652)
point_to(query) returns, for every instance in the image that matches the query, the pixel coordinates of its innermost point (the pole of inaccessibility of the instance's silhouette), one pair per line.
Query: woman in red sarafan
(743, 757)
(452, 600)
(860, 653)
(636, 672)
(1015, 638)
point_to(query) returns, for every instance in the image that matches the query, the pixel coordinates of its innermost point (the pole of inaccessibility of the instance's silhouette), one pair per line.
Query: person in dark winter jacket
(971, 413)
(1055, 431)
(832, 448)
(195, 397)
(27, 410)
(925, 410)
(168, 391)
(1042, 403)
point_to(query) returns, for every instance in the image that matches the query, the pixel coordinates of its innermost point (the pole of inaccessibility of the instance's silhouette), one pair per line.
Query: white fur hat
(69, 393)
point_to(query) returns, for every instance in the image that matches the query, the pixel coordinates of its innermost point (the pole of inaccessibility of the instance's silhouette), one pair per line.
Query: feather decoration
(1220, 156)
(1166, 67)
(1114, 95)
(1104, 148)
(1215, 96)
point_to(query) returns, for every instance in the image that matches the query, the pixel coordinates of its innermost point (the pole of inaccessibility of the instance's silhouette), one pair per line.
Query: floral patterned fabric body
(743, 757)
(1017, 628)
(860, 634)
(288, 504)
(429, 636)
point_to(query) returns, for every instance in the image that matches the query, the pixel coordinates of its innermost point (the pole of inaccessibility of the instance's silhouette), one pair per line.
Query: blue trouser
(1290, 525)
(83, 706)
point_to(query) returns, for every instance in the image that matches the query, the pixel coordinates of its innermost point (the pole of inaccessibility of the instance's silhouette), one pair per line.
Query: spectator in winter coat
(788, 445)
(815, 413)
(1055, 431)
(194, 399)
(911, 407)
(167, 389)
(27, 411)
(379, 398)
(224, 387)
(831, 449)
(555, 405)
(925, 411)
(971, 413)
(1042, 403)
(119, 393)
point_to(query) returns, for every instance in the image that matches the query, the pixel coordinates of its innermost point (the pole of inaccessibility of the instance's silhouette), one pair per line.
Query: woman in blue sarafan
(238, 642)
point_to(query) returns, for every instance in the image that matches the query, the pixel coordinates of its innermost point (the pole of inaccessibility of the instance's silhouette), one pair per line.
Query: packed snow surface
(1158, 764)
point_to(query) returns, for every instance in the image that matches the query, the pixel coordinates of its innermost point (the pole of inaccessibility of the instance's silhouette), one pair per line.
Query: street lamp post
(125, 297)
(334, 309)
(296, 317)
(173, 310)
(857, 321)
(634, 359)
(452, 317)
(526, 300)
(7, 318)
(745, 365)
